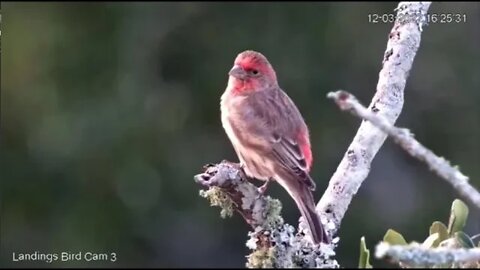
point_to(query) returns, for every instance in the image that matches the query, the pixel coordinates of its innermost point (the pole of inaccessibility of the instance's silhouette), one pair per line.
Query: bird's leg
(242, 169)
(260, 189)
(263, 187)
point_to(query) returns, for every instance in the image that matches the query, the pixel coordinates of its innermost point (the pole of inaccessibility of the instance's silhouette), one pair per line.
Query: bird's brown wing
(288, 153)
(273, 104)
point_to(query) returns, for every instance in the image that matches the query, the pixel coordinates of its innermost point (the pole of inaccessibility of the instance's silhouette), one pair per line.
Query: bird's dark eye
(254, 71)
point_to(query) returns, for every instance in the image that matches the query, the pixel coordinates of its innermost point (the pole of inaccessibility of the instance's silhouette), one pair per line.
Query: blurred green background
(108, 110)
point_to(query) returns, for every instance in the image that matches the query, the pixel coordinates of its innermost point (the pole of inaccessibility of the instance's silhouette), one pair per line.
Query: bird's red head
(252, 72)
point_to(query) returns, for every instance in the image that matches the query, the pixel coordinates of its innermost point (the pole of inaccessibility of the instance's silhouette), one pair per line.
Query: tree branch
(274, 243)
(405, 139)
(403, 43)
(418, 256)
(229, 188)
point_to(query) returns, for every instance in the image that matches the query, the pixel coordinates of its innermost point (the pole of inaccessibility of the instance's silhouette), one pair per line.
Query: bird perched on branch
(269, 134)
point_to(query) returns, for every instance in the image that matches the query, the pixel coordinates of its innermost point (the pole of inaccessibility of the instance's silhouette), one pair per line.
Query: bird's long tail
(303, 197)
(306, 205)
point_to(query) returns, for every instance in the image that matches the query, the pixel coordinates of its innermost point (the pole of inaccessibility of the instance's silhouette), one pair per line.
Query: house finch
(269, 134)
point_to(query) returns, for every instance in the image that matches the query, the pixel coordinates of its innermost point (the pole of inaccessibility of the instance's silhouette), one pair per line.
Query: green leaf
(458, 217)
(394, 238)
(464, 240)
(431, 240)
(364, 259)
(441, 229)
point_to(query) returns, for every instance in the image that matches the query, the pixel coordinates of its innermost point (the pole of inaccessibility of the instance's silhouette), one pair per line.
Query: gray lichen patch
(250, 195)
(273, 209)
(287, 249)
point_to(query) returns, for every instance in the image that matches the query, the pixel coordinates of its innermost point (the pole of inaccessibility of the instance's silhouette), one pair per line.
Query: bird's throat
(238, 86)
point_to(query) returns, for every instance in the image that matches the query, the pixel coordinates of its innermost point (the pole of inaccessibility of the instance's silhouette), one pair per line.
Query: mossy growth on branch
(217, 197)
(261, 258)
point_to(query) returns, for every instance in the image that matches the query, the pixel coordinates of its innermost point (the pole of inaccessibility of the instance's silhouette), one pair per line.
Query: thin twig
(405, 139)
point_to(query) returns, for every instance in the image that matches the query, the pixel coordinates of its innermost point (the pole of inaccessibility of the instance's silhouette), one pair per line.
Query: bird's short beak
(237, 72)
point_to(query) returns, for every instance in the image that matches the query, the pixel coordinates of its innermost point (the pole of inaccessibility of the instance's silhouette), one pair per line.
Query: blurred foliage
(364, 260)
(109, 109)
(394, 238)
(439, 236)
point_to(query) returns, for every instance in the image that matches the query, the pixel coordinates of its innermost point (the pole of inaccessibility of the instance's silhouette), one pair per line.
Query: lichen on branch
(273, 242)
